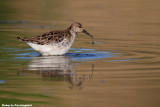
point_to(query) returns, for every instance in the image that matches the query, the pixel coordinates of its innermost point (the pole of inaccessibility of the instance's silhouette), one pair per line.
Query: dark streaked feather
(49, 37)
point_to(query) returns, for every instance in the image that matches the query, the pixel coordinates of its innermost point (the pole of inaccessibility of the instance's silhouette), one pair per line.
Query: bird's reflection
(57, 68)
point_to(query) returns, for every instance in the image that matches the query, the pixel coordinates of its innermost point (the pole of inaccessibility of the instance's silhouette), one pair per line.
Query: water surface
(120, 70)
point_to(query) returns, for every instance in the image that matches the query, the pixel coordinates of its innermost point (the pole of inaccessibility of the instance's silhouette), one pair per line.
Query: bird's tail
(21, 39)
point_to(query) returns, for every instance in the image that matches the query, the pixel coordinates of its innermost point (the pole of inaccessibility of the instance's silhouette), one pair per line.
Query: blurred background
(120, 70)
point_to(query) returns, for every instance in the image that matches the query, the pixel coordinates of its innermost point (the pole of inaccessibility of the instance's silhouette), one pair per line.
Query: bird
(56, 42)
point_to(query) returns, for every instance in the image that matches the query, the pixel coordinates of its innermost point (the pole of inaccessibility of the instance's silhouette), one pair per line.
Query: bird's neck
(73, 33)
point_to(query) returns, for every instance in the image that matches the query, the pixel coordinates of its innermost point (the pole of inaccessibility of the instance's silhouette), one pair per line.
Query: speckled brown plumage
(49, 37)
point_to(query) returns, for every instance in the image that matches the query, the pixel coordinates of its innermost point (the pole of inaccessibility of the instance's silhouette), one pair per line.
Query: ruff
(55, 42)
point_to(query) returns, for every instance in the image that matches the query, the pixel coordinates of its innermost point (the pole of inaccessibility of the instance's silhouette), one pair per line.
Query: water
(120, 70)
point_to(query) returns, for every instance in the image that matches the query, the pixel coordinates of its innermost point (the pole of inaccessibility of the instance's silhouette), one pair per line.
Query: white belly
(51, 49)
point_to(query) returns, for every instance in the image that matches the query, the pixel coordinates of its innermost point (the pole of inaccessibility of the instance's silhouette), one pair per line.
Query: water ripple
(76, 54)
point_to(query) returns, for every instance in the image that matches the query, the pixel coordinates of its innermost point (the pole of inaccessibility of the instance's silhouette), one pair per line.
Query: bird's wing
(46, 38)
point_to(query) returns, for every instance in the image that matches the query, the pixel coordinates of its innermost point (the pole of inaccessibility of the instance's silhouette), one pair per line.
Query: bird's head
(77, 28)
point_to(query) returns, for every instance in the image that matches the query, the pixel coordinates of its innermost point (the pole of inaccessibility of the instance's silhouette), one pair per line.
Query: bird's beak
(84, 31)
